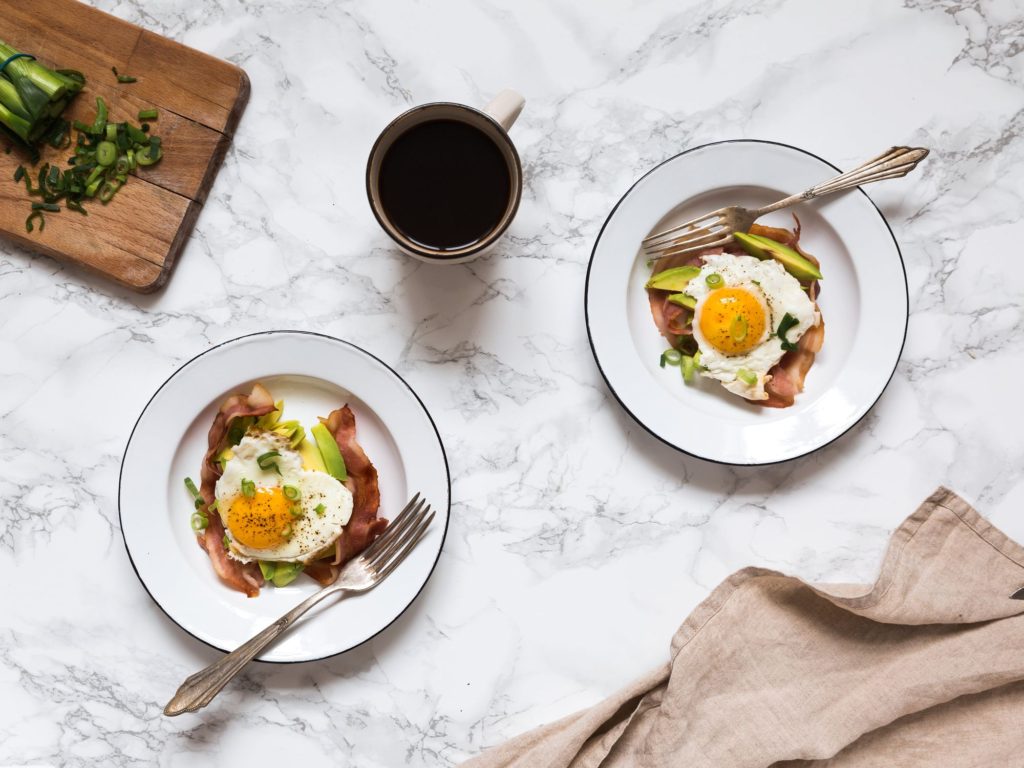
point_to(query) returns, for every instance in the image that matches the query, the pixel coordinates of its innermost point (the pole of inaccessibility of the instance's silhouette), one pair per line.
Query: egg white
(311, 532)
(781, 292)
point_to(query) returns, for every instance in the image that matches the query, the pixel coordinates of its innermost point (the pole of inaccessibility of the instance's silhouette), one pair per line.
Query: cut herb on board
(123, 78)
(104, 154)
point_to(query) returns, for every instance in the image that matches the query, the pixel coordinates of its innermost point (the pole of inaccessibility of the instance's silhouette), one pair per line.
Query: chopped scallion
(747, 377)
(199, 522)
(688, 366)
(738, 328)
(248, 488)
(123, 78)
(290, 492)
(671, 356)
(319, 509)
(714, 280)
(787, 322)
(266, 462)
(147, 114)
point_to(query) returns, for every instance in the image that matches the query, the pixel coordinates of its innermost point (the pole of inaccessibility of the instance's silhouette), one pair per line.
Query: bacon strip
(787, 376)
(243, 577)
(364, 526)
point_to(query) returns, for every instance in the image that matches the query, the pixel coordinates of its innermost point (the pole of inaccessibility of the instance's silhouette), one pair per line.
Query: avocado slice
(683, 300)
(764, 248)
(269, 420)
(311, 458)
(674, 279)
(329, 452)
(267, 568)
(286, 573)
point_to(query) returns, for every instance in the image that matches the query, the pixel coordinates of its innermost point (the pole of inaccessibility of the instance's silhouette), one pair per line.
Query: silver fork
(717, 227)
(363, 573)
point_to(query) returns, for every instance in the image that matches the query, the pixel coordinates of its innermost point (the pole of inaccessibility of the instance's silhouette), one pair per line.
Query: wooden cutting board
(137, 237)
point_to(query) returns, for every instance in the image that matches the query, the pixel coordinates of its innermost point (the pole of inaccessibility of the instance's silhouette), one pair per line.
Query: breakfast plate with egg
(261, 467)
(724, 354)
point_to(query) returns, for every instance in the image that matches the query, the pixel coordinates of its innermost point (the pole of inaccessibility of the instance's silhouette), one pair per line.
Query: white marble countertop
(578, 542)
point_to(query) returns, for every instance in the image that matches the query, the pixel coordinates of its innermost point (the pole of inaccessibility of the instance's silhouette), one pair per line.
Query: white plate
(313, 374)
(863, 302)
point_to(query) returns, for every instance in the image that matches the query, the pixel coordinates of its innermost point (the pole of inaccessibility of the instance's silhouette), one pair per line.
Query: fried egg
(284, 514)
(736, 320)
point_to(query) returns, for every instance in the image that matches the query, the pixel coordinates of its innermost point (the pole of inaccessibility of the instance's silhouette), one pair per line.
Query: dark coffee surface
(444, 184)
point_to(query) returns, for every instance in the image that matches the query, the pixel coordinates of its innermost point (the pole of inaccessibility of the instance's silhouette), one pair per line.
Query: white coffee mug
(494, 121)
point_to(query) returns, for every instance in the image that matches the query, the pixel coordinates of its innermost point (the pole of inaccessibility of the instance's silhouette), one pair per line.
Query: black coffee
(444, 184)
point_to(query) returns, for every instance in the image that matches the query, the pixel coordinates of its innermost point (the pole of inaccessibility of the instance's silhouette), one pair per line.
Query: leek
(32, 97)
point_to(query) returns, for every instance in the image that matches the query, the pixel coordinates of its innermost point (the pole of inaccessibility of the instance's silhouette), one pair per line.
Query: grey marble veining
(578, 542)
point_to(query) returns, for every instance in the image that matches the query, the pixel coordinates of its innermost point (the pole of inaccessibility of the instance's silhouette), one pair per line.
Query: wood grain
(136, 239)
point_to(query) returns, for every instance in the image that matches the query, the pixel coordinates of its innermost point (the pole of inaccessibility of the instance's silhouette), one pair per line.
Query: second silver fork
(373, 565)
(716, 228)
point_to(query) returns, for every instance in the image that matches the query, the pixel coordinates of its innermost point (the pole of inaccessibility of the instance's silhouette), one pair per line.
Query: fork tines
(707, 231)
(398, 539)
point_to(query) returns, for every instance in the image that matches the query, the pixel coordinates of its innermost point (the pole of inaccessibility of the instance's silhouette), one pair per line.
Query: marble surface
(578, 542)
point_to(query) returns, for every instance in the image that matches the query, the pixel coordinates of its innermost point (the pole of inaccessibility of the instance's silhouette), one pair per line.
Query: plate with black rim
(864, 305)
(314, 374)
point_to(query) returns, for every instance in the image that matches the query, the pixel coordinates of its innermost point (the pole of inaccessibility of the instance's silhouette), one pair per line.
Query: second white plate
(863, 301)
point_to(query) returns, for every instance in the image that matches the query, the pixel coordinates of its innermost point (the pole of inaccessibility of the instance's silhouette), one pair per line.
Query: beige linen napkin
(925, 668)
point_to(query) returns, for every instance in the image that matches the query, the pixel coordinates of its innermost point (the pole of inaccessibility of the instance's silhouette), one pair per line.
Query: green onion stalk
(33, 97)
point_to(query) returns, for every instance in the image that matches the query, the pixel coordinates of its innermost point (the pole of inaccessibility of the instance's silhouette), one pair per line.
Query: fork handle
(892, 164)
(200, 689)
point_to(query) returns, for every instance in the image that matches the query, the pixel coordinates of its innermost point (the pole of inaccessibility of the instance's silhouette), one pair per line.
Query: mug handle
(505, 107)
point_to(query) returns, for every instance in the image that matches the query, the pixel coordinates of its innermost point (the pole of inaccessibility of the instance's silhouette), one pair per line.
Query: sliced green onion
(148, 155)
(226, 542)
(99, 125)
(106, 153)
(248, 488)
(286, 532)
(688, 366)
(319, 509)
(296, 511)
(738, 328)
(123, 78)
(787, 322)
(290, 492)
(747, 377)
(266, 462)
(108, 190)
(199, 522)
(714, 280)
(147, 114)
(213, 507)
(671, 356)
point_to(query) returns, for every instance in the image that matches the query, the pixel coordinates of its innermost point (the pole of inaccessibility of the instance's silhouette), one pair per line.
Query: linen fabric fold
(924, 668)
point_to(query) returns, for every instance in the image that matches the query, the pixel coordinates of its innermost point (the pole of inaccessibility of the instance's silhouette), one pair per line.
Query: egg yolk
(732, 320)
(262, 521)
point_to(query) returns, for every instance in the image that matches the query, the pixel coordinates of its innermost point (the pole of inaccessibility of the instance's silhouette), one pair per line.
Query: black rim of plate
(444, 456)
(590, 334)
